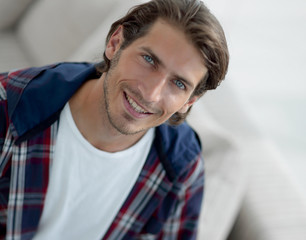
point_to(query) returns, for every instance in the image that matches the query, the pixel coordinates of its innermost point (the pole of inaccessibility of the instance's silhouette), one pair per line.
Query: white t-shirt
(87, 186)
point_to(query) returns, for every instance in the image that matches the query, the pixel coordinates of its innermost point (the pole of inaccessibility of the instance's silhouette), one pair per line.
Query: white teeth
(135, 106)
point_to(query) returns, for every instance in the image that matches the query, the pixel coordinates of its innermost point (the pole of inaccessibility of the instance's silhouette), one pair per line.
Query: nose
(152, 88)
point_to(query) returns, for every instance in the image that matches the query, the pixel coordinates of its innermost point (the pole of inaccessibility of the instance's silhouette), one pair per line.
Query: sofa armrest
(274, 207)
(225, 175)
(10, 12)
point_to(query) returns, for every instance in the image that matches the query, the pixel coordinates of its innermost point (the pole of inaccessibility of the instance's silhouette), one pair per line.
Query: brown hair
(199, 25)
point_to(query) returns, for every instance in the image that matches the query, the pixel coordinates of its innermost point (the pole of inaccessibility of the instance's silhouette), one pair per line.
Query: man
(91, 151)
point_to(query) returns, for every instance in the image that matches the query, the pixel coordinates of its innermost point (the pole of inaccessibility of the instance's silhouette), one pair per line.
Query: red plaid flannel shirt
(165, 201)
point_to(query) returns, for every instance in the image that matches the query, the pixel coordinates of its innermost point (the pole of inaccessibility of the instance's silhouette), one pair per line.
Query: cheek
(172, 104)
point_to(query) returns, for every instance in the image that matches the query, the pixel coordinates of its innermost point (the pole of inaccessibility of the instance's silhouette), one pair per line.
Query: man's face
(151, 79)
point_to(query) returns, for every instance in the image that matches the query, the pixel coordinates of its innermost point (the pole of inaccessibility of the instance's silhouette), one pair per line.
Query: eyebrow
(161, 63)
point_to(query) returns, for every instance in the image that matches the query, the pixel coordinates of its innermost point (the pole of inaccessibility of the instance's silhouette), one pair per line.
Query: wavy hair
(199, 25)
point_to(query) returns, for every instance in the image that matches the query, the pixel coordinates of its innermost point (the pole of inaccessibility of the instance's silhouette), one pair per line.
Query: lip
(131, 110)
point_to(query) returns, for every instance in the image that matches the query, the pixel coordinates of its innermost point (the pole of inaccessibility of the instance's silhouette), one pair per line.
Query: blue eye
(149, 59)
(179, 84)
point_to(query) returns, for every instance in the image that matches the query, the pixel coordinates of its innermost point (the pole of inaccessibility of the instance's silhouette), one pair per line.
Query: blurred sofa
(250, 194)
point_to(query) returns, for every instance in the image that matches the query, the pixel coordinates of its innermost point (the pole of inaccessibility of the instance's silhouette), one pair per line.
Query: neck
(89, 114)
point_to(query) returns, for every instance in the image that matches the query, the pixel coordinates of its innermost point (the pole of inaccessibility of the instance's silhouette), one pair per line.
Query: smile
(135, 106)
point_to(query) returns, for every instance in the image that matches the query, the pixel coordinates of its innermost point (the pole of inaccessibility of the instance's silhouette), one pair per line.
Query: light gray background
(267, 41)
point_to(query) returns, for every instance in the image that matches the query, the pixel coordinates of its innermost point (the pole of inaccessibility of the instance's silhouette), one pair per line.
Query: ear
(188, 104)
(114, 43)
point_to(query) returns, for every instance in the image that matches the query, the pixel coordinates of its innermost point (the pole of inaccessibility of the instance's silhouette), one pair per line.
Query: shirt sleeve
(178, 216)
(4, 121)
(3, 108)
(4, 168)
(182, 222)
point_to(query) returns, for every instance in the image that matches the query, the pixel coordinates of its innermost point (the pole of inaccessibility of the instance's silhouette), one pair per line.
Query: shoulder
(181, 137)
(179, 147)
(35, 86)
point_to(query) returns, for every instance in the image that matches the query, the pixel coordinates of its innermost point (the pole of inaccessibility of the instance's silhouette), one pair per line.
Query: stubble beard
(118, 124)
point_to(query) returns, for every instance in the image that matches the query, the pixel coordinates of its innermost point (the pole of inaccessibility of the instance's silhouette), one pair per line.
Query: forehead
(177, 53)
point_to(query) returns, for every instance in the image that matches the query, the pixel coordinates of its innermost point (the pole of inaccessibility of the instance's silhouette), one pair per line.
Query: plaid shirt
(166, 199)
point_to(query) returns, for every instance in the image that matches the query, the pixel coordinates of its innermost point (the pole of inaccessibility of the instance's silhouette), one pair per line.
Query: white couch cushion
(53, 29)
(274, 207)
(12, 55)
(225, 171)
(10, 11)
(92, 49)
